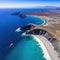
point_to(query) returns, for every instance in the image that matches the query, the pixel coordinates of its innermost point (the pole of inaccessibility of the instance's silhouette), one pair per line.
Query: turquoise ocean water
(27, 49)
(23, 47)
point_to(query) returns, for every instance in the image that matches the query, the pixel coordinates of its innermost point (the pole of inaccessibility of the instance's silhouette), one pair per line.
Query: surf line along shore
(48, 49)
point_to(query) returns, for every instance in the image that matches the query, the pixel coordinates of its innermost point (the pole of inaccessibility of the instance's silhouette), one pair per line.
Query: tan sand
(52, 55)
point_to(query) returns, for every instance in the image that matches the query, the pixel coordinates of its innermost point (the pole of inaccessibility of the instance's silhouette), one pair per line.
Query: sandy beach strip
(48, 49)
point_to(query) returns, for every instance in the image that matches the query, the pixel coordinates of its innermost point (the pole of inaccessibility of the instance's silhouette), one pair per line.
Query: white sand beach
(48, 49)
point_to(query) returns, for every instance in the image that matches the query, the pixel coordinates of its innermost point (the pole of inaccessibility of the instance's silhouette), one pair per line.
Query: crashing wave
(18, 30)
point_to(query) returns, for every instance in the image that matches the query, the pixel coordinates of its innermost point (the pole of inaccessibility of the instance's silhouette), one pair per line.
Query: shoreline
(46, 55)
(48, 49)
(41, 18)
(44, 21)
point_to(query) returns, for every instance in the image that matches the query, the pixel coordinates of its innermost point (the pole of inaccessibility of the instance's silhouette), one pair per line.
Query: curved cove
(27, 49)
(35, 20)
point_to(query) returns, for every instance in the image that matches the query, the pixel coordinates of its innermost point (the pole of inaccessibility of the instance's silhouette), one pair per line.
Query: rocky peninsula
(50, 30)
(20, 14)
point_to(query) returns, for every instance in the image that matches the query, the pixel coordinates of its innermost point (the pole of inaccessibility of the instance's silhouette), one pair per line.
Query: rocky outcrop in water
(44, 33)
(27, 27)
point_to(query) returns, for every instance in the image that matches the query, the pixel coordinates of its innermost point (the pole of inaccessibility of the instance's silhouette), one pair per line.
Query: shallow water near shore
(11, 42)
(27, 49)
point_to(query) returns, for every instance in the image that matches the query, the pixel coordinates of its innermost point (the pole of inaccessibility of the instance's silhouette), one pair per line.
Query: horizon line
(31, 7)
(26, 5)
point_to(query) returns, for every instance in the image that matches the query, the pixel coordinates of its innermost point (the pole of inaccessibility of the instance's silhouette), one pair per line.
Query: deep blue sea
(22, 47)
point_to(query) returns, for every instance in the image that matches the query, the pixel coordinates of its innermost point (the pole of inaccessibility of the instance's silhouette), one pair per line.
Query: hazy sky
(28, 3)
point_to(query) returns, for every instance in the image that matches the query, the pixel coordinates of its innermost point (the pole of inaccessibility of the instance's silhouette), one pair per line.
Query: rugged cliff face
(27, 27)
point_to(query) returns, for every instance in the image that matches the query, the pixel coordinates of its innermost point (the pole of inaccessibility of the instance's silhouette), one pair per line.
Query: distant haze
(27, 4)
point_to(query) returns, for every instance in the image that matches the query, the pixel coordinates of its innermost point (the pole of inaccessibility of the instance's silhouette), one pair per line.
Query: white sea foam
(18, 30)
(46, 55)
(23, 33)
(11, 45)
